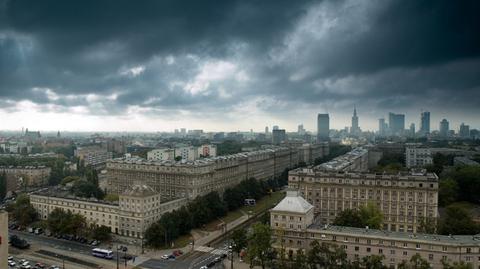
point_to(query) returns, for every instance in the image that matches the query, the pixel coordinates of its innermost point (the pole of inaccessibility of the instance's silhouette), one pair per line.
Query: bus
(102, 253)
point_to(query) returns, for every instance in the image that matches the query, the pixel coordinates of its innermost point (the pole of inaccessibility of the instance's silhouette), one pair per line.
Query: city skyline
(152, 66)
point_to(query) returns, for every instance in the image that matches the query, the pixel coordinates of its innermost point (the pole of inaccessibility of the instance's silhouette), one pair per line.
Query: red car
(177, 252)
(39, 265)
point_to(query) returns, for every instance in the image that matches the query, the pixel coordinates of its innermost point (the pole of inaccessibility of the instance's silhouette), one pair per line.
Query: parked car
(171, 257)
(11, 263)
(40, 265)
(165, 257)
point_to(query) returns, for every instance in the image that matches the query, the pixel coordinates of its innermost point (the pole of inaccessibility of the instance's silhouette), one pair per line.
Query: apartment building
(93, 155)
(186, 153)
(405, 199)
(3, 237)
(417, 155)
(355, 160)
(292, 221)
(25, 176)
(138, 207)
(189, 179)
(307, 153)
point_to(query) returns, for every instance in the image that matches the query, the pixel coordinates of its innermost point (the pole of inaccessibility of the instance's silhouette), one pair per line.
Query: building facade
(3, 237)
(93, 155)
(354, 160)
(396, 123)
(138, 207)
(417, 155)
(189, 179)
(444, 128)
(25, 176)
(405, 199)
(425, 123)
(323, 127)
(294, 228)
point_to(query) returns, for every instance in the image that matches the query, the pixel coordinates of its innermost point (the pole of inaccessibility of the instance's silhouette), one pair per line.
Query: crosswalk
(211, 250)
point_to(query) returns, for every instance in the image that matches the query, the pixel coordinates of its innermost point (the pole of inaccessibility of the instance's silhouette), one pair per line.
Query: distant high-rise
(396, 123)
(301, 130)
(412, 130)
(382, 127)
(323, 127)
(275, 127)
(425, 123)
(266, 130)
(278, 136)
(464, 130)
(444, 128)
(355, 130)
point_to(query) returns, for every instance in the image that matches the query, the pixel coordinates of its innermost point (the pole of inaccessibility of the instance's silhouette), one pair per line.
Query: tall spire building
(355, 130)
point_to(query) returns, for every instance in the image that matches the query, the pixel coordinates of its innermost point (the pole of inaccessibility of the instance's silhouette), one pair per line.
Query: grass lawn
(263, 204)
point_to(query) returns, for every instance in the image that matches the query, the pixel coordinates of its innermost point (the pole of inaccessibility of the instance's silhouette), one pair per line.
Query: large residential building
(188, 179)
(292, 221)
(165, 154)
(355, 160)
(138, 207)
(3, 237)
(417, 155)
(405, 199)
(382, 127)
(307, 153)
(323, 127)
(25, 176)
(464, 131)
(93, 155)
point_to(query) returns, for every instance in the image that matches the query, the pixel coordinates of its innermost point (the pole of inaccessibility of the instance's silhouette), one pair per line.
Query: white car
(165, 257)
(11, 263)
(204, 267)
(10, 258)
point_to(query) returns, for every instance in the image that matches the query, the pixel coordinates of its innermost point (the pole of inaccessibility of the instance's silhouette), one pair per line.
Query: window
(369, 249)
(380, 251)
(418, 246)
(357, 248)
(444, 248)
(405, 253)
(430, 256)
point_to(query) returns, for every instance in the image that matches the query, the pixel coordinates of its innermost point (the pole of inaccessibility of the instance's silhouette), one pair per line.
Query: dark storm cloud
(162, 54)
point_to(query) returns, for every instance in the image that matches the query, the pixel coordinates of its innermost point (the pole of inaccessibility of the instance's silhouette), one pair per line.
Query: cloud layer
(234, 61)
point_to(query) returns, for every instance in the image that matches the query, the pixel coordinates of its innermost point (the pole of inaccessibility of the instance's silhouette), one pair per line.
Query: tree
(416, 262)
(111, 197)
(3, 185)
(447, 191)
(456, 265)
(371, 216)
(458, 221)
(300, 260)
(326, 255)
(87, 189)
(239, 238)
(468, 180)
(427, 225)
(69, 179)
(259, 243)
(23, 211)
(101, 233)
(154, 235)
(65, 222)
(373, 262)
(349, 217)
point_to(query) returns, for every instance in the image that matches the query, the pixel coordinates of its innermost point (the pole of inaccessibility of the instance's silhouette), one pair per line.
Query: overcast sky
(236, 65)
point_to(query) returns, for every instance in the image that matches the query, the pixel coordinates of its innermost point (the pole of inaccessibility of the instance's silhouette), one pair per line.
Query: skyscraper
(355, 130)
(396, 123)
(382, 127)
(412, 130)
(323, 127)
(301, 130)
(266, 130)
(278, 136)
(425, 123)
(444, 128)
(464, 130)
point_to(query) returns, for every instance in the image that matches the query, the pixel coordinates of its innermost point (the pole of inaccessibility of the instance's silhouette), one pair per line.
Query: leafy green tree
(3, 185)
(371, 216)
(65, 222)
(82, 188)
(259, 243)
(416, 262)
(239, 238)
(58, 172)
(456, 265)
(457, 220)
(300, 261)
(349, 217)
(102, 233)
(468, 180)
(23, 211)
(111, 197)
(447, 191)
(326, 255)
(373, 262)
(427, 225)
(91, 175)
(155, 235)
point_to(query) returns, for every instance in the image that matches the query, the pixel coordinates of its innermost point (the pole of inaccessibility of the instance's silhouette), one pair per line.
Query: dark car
(211, 264)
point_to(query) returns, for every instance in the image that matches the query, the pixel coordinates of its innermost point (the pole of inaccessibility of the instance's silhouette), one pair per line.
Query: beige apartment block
(189, 179)
(294, 228)
(138, 207)
(405, 199)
